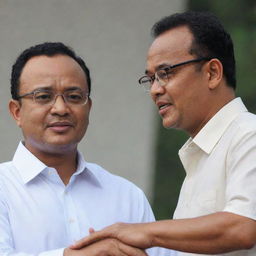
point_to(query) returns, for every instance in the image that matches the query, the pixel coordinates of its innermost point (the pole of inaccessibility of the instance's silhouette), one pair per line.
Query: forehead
(52, 69)
(170, 47)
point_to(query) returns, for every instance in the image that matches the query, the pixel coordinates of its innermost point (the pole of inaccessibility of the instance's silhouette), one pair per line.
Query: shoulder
(241, 137)
(6, 170)
(110, 180)
(243, 124)
(6, 176)
(130, 199)
(246, 122)
(244, 127)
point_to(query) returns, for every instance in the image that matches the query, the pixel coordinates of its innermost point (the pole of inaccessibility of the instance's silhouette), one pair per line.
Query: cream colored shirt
(220, 165)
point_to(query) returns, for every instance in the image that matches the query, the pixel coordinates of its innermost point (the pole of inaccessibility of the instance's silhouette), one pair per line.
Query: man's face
(53, 128)
(182, 100)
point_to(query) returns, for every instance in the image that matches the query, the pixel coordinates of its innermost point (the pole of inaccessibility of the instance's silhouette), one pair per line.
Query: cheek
(31, 119)
(83, 119)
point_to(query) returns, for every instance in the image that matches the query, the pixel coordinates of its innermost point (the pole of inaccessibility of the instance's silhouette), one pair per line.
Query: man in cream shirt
(191, 77)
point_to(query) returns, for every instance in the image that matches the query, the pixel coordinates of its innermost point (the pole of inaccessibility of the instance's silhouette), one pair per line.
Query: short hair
(210, 38)
(47, 49)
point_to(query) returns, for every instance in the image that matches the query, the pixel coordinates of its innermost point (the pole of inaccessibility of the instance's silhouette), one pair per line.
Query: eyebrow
(164, 65)
(50, 88)
(43, 88)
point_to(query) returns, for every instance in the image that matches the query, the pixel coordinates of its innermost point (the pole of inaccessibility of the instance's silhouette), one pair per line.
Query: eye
(43, 97)
(162, 74)
(169, 71)
(75, 97)
(165, 74)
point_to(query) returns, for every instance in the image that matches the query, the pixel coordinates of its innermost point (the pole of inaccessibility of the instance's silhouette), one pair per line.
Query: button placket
(71, 216)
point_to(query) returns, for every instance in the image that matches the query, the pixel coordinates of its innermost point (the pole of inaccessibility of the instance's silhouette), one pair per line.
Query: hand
(136, 235)
(106, 247)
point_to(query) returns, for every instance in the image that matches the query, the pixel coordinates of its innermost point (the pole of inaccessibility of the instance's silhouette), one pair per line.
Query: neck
(212, 106)
(65, 162)
(65, 165)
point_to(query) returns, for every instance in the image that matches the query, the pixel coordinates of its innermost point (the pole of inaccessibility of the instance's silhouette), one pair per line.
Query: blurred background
(125, 134)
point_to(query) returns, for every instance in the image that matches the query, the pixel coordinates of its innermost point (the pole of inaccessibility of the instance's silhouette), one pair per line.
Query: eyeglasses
(46, 97)
(162, 75)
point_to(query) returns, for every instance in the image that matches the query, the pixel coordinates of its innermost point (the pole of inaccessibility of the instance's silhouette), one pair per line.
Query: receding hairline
(49, 57)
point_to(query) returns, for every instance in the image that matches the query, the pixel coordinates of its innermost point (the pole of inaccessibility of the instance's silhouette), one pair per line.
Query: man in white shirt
(49, 195)
(191, 77)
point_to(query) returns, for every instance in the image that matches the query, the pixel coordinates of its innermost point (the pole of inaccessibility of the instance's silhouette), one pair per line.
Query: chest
(203, 189)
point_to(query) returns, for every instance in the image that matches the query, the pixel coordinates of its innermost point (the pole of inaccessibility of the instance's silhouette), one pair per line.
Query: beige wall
(112, 36)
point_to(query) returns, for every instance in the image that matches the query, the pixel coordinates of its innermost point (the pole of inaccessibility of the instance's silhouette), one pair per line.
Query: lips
(60, 126)
(163, 106)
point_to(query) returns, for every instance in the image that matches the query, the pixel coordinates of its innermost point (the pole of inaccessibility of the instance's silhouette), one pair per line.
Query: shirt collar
(210, 134)
(90, 173)
(29, 166)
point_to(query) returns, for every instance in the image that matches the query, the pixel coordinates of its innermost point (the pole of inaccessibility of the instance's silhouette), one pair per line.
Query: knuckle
(111, 243)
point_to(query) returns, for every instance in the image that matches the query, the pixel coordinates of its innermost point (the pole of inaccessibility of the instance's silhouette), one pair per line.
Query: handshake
(120, 239)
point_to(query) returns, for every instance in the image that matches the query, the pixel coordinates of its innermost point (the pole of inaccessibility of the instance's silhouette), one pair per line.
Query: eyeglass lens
(75, 97)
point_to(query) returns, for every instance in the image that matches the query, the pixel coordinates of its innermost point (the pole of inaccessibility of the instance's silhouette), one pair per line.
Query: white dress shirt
(40, 215)
(220, 164)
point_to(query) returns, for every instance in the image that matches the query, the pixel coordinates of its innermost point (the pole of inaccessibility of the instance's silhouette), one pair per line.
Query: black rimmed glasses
(48, 97)
(162, 74)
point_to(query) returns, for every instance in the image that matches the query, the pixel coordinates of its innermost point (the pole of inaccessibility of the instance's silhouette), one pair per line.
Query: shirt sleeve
(7, 247)
(148, 216)
(241, 177)
(57, 252)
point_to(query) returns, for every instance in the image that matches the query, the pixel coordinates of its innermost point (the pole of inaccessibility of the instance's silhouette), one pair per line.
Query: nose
(59, 106)
(156, 89)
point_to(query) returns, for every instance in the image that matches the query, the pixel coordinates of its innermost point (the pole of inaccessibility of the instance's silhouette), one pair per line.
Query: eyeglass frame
(167, 68)
(51, 103)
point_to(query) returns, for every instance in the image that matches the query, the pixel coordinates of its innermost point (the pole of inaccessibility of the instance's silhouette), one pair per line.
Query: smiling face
(184, 102)
(56, 128)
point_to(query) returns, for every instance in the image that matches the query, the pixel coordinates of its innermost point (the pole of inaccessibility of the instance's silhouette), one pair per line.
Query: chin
(171, 122)
(168, 124)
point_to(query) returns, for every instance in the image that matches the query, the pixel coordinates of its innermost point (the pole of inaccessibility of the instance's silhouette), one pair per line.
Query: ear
(14, 108)
(89, 103)
(214, 73)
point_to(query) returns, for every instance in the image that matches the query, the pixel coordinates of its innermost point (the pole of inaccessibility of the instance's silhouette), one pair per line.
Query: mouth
(163, 106)
(60, 126)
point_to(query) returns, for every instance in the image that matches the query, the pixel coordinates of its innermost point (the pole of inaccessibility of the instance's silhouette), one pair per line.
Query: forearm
(216, 233)
(212, 234)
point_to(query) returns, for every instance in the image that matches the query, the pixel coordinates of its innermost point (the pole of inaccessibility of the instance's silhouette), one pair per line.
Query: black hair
(47, 49)
(210, 38)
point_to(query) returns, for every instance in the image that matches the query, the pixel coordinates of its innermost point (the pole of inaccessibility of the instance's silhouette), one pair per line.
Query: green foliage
(169, 174)
(239, 18)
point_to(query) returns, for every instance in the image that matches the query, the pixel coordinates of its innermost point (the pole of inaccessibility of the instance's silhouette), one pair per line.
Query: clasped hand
(128, 238)
(111, 241)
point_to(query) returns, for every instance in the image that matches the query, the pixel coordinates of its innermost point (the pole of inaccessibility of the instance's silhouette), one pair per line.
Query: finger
(93, 237)
(131, 251)
(91, 230)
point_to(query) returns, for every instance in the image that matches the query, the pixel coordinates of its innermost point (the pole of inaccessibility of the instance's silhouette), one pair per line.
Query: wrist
(153, 234)
(67, 252)
(149, 234)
